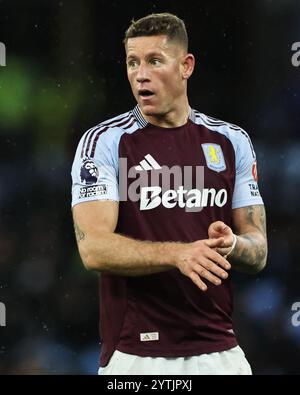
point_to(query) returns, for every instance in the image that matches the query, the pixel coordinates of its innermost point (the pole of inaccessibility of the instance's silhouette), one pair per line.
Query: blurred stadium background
(65, 73)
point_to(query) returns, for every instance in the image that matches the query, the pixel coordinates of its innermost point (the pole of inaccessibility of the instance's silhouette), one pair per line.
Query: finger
(223, 251)
(227, 242)
(215, 229)
(212, 267)
(207, 275)
(219, 226)
(212, 243)
(218, 259)
(214, 234)
(196, 280)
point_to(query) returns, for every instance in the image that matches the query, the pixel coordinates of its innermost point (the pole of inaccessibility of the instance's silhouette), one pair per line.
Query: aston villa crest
(214, 156)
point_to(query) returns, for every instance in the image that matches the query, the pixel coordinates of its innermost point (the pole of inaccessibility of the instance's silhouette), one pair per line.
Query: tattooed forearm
(80, 235)
(256, 217)
(250, 253)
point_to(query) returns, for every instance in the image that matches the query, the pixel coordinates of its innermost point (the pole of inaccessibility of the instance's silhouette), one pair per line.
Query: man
(165, 248)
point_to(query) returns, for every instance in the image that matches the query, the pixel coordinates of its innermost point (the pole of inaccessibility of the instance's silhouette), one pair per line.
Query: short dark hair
(159, 24)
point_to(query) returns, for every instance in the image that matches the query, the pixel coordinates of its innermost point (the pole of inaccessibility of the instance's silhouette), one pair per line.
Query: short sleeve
(246, 191)
(95, 177)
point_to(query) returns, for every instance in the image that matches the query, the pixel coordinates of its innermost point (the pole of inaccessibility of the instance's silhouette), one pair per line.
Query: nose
(142, 74)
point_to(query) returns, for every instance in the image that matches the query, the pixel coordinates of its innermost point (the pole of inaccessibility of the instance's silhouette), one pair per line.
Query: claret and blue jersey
(165, 314)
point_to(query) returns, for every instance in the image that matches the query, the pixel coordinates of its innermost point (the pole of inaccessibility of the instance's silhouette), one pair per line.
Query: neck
(172, 119)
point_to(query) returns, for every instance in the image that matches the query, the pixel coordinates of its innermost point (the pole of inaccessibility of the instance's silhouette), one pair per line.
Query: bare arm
(250, 252)
(103, 250)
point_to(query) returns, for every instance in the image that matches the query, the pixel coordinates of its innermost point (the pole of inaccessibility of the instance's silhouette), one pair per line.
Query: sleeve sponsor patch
(254, 172)
(89, 172)
(91, 191)
(254, 191)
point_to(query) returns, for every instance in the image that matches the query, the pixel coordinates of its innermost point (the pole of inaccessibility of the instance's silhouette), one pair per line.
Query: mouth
(145, 94)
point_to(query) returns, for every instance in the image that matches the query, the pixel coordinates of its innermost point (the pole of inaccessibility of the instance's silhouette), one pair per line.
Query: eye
(155, 61)
(132, 63)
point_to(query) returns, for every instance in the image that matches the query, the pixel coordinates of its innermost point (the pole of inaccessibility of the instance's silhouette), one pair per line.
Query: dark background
(65, 73)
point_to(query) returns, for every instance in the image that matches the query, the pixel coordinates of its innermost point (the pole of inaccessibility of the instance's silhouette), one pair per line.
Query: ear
(188, 64)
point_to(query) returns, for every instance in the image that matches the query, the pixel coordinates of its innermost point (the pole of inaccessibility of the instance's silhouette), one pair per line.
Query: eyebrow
(149, 55)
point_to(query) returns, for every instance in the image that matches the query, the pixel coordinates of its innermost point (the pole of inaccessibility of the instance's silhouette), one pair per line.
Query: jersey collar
(143, 122)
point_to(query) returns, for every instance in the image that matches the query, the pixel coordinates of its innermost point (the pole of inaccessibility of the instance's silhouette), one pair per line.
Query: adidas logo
(148, 337)
(149, 163)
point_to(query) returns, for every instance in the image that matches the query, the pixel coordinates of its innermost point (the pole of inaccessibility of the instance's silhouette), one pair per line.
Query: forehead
(148, 44)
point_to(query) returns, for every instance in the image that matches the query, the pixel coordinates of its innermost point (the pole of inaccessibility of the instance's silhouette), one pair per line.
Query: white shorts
(229, 362)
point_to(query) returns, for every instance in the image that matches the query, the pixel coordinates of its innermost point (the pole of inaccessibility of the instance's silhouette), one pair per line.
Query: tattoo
(256, 217)
(78, 233)
(251, 251)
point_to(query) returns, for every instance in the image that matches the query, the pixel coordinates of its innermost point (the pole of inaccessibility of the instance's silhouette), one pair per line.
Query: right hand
(199, 259)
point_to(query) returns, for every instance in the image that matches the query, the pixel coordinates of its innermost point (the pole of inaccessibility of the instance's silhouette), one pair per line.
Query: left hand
(220, 229)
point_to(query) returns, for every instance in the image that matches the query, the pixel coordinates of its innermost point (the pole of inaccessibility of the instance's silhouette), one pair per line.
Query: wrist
(230, 253)
(170, 253)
